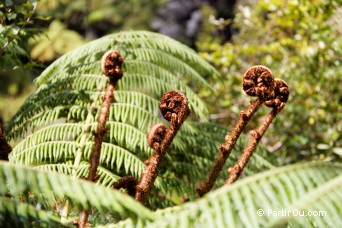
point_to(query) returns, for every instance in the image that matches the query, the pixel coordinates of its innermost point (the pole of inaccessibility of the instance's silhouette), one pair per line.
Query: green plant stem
(86, 130)
(80, 150)
(65, 211)
(226, 149)
(256, 135)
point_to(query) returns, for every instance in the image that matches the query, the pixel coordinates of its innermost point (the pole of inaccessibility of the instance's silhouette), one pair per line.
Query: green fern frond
(107, 178)
(19, 214)
(133, 115)
(128, 137)
(42, 118)
(322, 205)
(45, 152)
(56, 132)
(39, 112)
(116, 158)
(149, 103)
(112, 156)
(237, 204)
(179, 50)
(123, 41)
(310, 186)
(83, 193)
(156, 86)
(168, 61)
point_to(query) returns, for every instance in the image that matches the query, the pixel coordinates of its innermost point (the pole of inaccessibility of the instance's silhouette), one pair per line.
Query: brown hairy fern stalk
(174, 108)
(111, 64)
(277, 102)
(258, 81)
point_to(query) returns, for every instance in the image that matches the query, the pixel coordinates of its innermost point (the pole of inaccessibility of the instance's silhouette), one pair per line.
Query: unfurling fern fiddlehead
(174, 107)
(277, 102)
(257, 81)
(111, 65)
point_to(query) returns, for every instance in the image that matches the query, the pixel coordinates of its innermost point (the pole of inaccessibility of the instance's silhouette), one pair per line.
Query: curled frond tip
(281, 95)
(174, 102)
(258, 81)
(111, 64)
(156, 134)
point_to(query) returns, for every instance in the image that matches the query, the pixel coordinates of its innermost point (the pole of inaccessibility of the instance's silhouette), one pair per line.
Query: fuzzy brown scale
(5, 148)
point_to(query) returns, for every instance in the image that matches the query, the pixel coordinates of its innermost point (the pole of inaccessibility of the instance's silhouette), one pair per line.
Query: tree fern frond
(117, 158)
(107, 178)
(56, 132)
(83, 193)
(125, 135)
(128, 137)
(63, 92)
(45, 152)
(236, 205)
(133, 115)
(139, 99)
(19, 214)
(155, 87)
(152, 40)
(37, 120)
(41, 114)
(112, 156)
(321, 205)
(93, 51)
(168, 61)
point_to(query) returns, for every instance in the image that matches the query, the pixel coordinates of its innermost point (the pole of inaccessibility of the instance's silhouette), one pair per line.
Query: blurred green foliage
(35, 33)
(56, 41)
(301, 42)
(17, 24)
(16, 20)
(95, 18)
